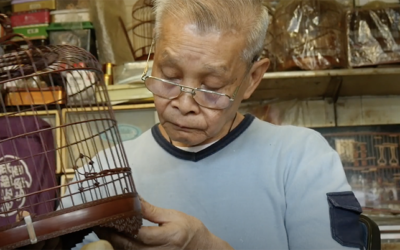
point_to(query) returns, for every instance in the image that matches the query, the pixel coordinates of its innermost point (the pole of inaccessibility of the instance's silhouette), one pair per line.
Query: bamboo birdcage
(309, 35)
(102, 192)
(372, 165)
(373, 34)
(142, 28)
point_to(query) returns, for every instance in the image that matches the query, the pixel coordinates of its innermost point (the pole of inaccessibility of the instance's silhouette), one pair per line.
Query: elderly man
(219, 179)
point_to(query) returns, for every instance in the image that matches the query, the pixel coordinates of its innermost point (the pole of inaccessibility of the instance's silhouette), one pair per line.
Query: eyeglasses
(171, 90)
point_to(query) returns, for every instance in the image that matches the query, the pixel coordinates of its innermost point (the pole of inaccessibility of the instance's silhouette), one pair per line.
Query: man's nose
(187, 90)
(185, 102)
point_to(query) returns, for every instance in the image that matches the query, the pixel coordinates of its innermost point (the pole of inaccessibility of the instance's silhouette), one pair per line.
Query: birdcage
(309, 34)
(143, 21)
(371, 163)
(373, 34)
(102, 192)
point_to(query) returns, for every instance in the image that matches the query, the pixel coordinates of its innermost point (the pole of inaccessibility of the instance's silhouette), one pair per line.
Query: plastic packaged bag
(309, 35)
(374, 34)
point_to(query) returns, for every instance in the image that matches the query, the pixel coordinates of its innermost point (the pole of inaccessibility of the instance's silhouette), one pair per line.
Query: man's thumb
(153, 213)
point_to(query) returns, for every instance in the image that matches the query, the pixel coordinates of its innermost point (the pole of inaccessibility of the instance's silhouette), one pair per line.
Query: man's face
(212, 61)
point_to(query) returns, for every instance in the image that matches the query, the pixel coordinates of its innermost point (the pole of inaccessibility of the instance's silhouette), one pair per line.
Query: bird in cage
(39, 83)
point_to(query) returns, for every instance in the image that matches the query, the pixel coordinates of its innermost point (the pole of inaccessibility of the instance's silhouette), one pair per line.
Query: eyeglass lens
(170, 91)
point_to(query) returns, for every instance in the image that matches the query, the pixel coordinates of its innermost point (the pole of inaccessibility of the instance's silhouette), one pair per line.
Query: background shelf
(328, 84)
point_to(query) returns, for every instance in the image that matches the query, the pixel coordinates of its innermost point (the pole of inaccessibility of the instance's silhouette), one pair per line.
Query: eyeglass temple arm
(148, 59)
(235, 93)
(255, 59)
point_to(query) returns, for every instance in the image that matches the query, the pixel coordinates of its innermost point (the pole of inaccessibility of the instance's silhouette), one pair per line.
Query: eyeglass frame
(144, 77)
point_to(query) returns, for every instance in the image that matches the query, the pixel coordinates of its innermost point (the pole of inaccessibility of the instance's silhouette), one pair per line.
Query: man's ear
(256, 74)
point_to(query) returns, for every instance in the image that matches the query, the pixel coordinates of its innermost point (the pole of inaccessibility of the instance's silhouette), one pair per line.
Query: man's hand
(175, 230)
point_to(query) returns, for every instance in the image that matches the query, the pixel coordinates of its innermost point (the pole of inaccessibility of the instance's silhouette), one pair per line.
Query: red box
(30, 18)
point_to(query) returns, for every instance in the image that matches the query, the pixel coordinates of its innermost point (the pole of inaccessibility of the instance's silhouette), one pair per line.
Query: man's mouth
(181, 126)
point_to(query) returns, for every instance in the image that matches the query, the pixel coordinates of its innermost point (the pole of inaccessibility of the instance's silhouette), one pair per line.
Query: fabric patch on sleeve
(344, 211)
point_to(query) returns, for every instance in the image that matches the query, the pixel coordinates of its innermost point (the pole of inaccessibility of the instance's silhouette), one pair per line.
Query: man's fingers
(154, 214)
(164, 233)
(154, 236)
(98, 245)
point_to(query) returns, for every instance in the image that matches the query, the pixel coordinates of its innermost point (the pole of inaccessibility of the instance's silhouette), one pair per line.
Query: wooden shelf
(328, 84)
(320, 84)
(372, 168)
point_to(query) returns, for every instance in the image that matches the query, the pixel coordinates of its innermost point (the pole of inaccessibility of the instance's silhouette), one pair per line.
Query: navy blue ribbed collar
(197, 156)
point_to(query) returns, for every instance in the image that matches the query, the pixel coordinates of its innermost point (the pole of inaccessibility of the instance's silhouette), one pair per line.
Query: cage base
(121, 213)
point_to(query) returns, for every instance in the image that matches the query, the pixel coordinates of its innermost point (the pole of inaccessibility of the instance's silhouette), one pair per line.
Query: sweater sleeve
(314, 173)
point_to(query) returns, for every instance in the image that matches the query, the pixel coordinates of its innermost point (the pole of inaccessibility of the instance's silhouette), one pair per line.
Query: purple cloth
(27, 165)
(22, 1)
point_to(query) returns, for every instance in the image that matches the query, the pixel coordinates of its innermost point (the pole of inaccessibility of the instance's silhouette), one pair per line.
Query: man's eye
(171, 78)
(208, 87)
(170, 75)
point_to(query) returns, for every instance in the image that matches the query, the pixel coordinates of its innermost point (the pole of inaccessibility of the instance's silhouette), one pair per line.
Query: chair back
(372, 234)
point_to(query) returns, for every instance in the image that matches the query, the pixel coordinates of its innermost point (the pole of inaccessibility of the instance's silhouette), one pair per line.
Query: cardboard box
(66, 16)
(35, 96)
(124, 94)
(30, 18)
(28, 5)
(73, 4)
(33, 31)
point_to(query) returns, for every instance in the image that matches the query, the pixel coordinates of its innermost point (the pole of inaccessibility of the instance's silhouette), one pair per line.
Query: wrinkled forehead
(171, 22)
(174, 32)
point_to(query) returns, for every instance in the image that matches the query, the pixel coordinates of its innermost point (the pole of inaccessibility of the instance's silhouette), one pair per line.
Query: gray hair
(248, 17)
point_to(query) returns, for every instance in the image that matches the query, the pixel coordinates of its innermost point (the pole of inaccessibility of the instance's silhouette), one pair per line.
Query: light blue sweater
(261, 187)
